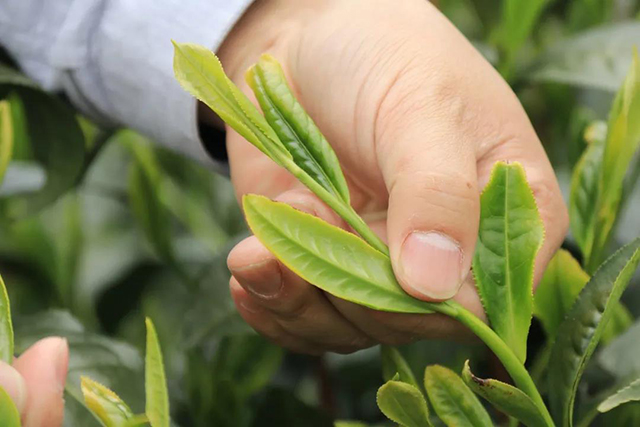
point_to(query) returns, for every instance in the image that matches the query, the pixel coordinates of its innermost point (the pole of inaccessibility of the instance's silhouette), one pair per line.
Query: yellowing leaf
(510, 235)
(6, 137)
(105, 404)
(9, 416)
(157, 404)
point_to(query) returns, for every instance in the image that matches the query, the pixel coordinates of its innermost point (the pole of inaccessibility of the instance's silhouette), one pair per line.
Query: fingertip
(247, 253)
(13, 383)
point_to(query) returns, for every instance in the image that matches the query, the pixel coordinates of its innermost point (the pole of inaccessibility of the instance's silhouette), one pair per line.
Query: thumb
(44, 369)
(433, 209)
(13, 383)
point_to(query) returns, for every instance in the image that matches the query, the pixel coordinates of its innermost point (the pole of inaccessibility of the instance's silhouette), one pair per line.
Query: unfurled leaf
(581, 331)
(510, 235)
(506, 398)
(328, 257)
(9, 415)
(623, 139)
(6, 328)
(297, 131)
(560, 285)
(404, 404)
(620, 357)
(453, 401)
(6, 137)
(630, 393)
(393, 363)
(105, 404)
(157, 405)
(597, 58)
(200, 73)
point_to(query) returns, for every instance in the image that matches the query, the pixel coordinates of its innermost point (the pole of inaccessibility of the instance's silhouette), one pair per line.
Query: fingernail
(13, 383)
(263, 279)
(431, 264)
(62, 362)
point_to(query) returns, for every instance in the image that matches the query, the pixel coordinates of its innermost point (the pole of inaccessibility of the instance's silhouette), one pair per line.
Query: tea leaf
(6, 137)
(393, 363)
(510, 235)
(6, 328)
(620, 357)
(297, 131)
(200, 73)
(328, 257)
(630, 393)
(452, 400)
(581, 331)
(623, 139)
(404, 404)
(157, 406)
(505, 398)
(562, 282)
(105, 404)
(9, 415)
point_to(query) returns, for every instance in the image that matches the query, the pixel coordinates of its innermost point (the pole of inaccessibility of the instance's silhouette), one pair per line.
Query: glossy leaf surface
(328, 257)
(630, 393)
(297, 131)
(200, 73)
(105, 404)
(157, 397)
(506, 398)
(404, 404)
(580, 333)
(6, 328)
(9, 416)
(393, 363)
(510, 235)
(452, 400)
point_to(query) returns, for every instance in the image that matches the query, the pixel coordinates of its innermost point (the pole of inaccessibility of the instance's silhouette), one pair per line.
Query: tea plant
(357, 268)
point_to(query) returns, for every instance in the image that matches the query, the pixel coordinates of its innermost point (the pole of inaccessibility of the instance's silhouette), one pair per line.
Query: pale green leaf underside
(452, 400)
(328, 257)
(157, 397)
(105, 404)
(6, 328)
(297, 131)
(506, 398)
(630, 393)
(509, 237)
(200, 73)
(9, 416)
(403, 404)
(582, 329)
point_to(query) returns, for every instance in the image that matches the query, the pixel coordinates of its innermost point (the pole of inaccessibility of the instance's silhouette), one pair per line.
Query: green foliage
(510, 235)
(580, 333)
(6, 329)
(328, 257)
(452, 400)
(157, 403)
(6, 137)
(9, 416)
(404, 404)
(394, 364)
(630, 393)
(505, 398)
(302, 138)
(105, 404)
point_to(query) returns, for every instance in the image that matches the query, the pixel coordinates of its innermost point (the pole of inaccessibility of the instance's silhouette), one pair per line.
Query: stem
(512, 364)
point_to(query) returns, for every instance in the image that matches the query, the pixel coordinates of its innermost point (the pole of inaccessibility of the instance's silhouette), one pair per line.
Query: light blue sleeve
(113, 58)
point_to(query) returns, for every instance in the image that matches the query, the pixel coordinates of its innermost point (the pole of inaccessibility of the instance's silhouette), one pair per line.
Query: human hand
(36, 381)
(417, 118)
